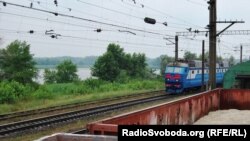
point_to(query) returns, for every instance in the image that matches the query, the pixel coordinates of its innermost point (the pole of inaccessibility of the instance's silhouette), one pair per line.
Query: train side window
(192, 71)
(198, 71)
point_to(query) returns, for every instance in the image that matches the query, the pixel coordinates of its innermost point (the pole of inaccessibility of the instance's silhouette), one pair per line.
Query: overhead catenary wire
(115, 11)
(142, 6)
(76, 25)
(89, 39)
(80, 11)
(196, 3)
(71, 9)
(173, 17)
(187, 39)
(84, 19)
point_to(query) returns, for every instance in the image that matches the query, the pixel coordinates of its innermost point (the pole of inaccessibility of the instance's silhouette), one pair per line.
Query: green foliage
(83, 62)
(12, 91)
(49, 76)
(219, 59)
(106, 67)
(164, 61)
(94, 83)
(206, 56)
(65, 93)
(115, 64)
(136, 65)
(154, 63)
(123, 77)
(231, 61)
(51, 91)
(43, 93)
(17, 63)
(190, 56)
(64, 73)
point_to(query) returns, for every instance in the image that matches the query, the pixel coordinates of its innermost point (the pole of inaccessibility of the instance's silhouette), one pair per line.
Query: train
(182, 76)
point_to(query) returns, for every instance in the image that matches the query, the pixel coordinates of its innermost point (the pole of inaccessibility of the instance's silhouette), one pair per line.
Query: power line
(83, 26)
(36, 18)
(83, 19)
(142, 6)
(115, 11)
(77, 10)
(88, 39)
(196, 3)
(119, 12)
(91, 4)
(163, 13)
(71, 9)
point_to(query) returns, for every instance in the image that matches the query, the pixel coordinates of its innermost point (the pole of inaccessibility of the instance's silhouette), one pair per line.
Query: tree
(231, 61)
(17, 63)
(206, 56)
(219, 59)
(136, 65)
(164, 61)
(66, 72)
(107, 67)
(50, 76)
(190, 56)
(115, 63)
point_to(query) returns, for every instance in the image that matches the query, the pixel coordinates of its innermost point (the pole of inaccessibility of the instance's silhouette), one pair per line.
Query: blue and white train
(182, 76)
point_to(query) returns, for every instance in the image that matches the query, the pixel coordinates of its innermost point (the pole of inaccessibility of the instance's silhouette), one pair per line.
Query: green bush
(123, 77)
(40, 94)
(12, 91)
(93, 83)
(50, 91)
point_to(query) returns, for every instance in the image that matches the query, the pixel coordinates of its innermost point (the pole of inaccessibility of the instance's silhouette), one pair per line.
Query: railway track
(16, 116)
(38, 123)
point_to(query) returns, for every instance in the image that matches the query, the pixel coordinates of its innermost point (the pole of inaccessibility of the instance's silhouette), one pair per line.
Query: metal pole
(212, 44)
(176, 48)
(241, 54)
(203, 65)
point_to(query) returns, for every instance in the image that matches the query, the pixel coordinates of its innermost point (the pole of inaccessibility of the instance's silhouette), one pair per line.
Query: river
(83, 74)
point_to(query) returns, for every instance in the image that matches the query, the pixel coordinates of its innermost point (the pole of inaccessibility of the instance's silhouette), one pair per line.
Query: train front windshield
(174, 70)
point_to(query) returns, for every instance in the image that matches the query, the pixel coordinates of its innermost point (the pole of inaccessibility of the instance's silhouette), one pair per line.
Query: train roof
(196, 63)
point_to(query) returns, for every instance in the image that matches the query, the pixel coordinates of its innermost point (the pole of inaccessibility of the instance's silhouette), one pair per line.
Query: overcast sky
(79, 37)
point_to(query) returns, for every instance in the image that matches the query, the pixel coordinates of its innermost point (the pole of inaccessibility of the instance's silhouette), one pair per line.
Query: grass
(90, 90)
(76, 125)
